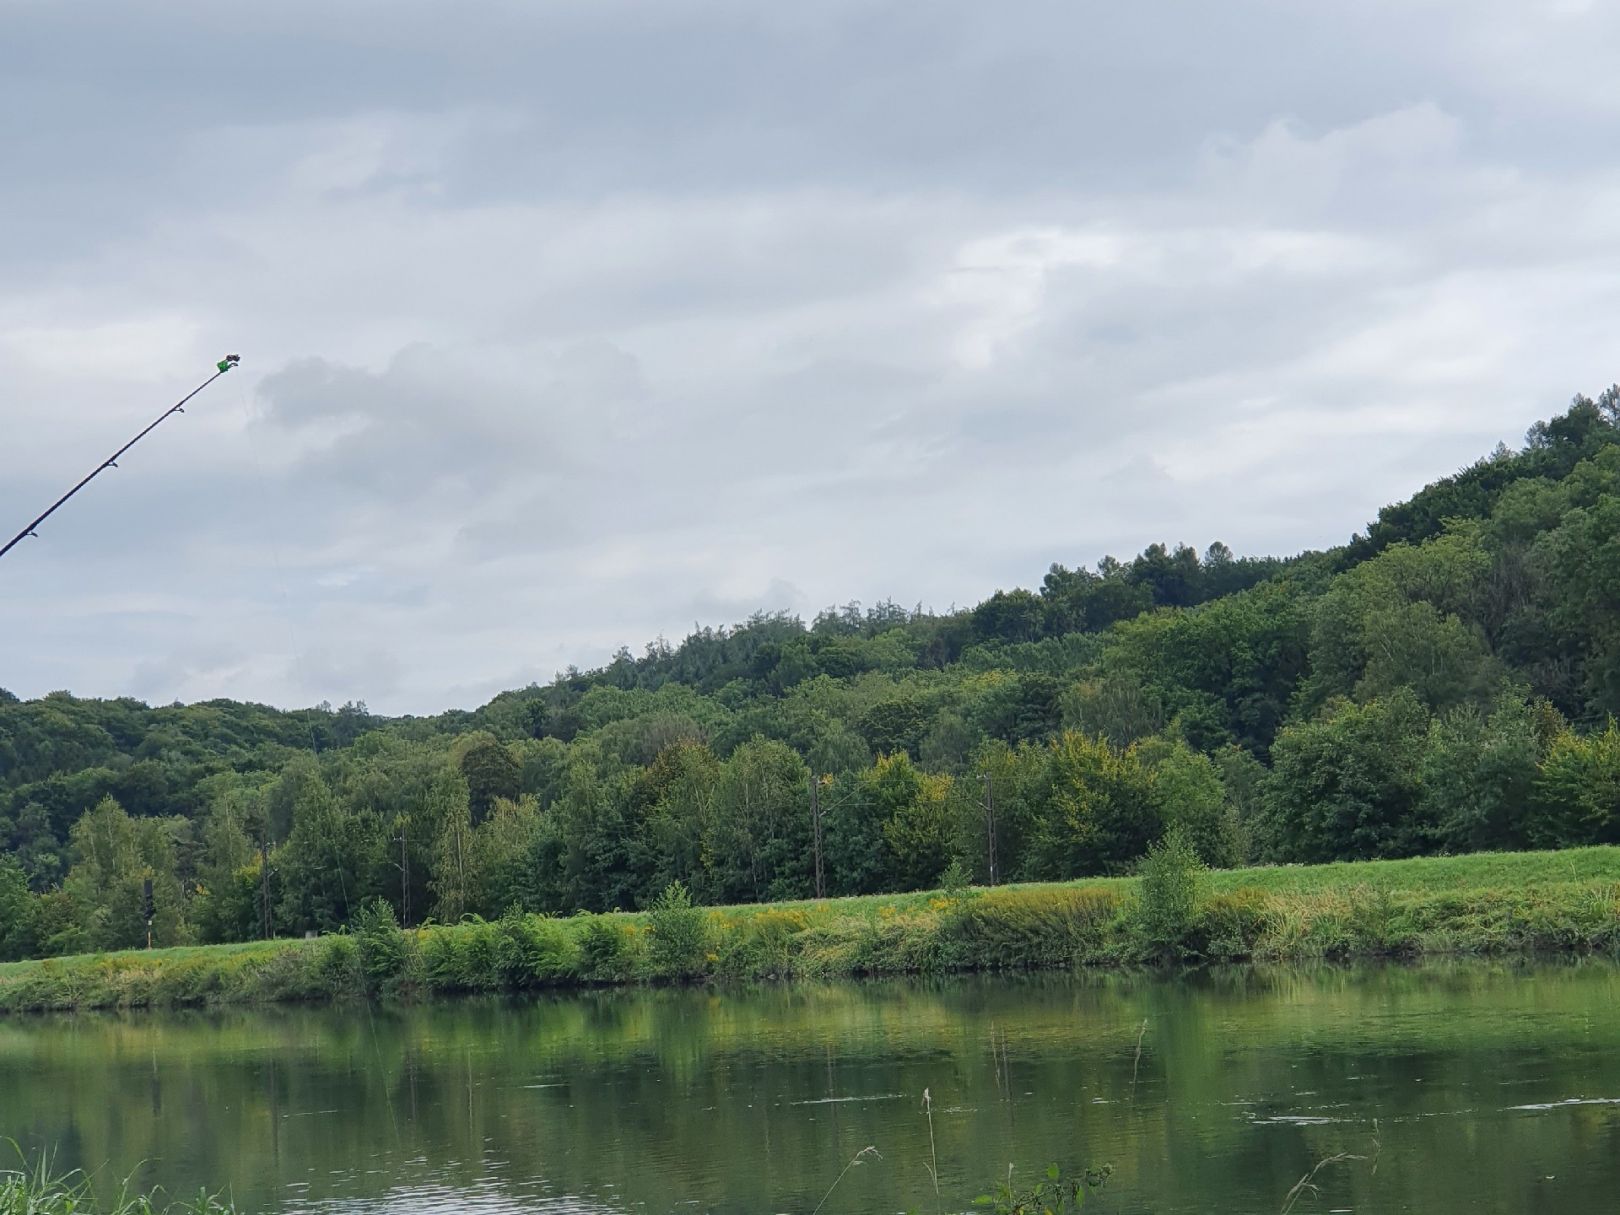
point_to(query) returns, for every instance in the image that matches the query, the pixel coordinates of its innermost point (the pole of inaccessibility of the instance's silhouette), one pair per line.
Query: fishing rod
(224, 365)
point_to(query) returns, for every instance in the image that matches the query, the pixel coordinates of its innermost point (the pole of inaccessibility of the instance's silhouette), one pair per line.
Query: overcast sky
(568, 325)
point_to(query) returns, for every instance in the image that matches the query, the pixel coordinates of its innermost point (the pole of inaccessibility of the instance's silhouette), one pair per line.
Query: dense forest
(1445, 682)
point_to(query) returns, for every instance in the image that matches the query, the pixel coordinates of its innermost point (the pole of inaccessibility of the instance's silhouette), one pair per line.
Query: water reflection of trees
(751, 1101)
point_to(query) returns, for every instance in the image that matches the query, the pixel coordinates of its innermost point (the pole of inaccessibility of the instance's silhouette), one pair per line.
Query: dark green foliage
(856, 854)
(670, 803)
(332, 859)
(462, 957)
(1166, 915)
(113, 858)
(1009, 616)
(1227, 670)
(18, 917)
(478, 955)
(492, 773)
(677, 937)
(765, 945)
(1444, 682)
(534, 951)
(894, 726)
(916, 822)
(603, 950)
(1479, 775)
(1028, 928)
(382, 945)
(1347, 787)
(338, 969)
(1192, 799)
(1054, 1193)
(441, 961)
(1099, 810)
(758, 834)
(1232, 922)
(1577, 795)
(57, 926)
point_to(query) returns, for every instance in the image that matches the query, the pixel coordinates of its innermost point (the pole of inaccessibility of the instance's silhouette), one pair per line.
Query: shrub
(1019, 929)
(190, 980)
(1055, 1193)
(1166, 917)
(461, 957)
(1378, 925)
(831, 947)
(956, 881)
(287, 972)
(603, 949)
(382, 945)
(533, 950)
(678, 934)
(763, 945)
(1233, 922)
(899, 942)
(441, 962)
(478, 955)
(337, 965)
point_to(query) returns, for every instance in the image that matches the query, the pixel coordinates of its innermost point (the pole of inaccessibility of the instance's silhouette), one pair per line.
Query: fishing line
(226, 364)
(299, 671)
(268, 501)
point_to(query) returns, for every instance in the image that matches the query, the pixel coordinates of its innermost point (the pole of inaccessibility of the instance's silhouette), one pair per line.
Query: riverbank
(1497, 903)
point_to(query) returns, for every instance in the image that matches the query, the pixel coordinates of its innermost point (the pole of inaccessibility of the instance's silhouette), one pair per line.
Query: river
(1448, 1087)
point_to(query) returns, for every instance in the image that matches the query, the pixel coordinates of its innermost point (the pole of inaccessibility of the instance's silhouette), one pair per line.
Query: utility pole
(990, 825)
(404, 879)
(815, 830)
(147, 906)
(264, 887)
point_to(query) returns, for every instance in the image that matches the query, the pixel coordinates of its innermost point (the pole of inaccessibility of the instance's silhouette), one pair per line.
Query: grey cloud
(778, 595)
(354, 673)
(568, 325)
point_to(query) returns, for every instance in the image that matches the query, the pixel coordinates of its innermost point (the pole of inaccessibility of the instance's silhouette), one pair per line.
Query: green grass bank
(1489, 903)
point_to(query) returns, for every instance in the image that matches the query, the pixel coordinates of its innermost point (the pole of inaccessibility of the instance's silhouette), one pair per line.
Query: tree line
(1446, 681)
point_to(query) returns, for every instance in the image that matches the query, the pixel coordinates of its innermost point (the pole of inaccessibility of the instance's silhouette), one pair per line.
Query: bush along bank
(1173, 912)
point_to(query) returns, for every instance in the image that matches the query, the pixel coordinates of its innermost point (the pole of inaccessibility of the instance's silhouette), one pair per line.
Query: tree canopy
(1445, 681)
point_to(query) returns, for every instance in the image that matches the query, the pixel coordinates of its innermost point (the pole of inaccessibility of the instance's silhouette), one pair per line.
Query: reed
(37, 1189)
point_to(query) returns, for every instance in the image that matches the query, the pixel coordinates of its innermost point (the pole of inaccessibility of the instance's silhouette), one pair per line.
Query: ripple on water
(1539, 1106)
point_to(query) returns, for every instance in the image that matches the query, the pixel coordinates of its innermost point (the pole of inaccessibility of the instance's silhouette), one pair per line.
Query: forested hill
(1444, 682)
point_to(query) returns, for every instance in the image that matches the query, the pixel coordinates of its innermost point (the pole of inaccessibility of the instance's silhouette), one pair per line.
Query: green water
(1464, 1088)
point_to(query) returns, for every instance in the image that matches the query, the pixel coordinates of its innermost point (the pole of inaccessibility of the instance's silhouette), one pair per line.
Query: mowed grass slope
(1484, 903)
(1477, 871)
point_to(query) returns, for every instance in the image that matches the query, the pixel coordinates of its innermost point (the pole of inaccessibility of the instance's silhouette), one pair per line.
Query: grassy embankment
(1498, 903)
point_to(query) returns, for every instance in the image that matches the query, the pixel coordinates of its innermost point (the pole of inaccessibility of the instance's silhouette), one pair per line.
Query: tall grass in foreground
(1534, 903)
(37, 1190)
